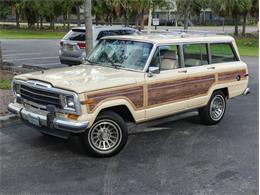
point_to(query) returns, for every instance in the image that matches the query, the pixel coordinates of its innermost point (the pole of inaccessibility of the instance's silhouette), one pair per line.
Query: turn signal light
(73, 116)
(89, 102)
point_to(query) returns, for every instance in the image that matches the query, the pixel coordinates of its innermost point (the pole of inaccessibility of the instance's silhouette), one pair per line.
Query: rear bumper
(44, 119)
(247, 91)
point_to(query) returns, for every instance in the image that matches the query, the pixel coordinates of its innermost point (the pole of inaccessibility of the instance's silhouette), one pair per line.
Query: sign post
(155, 23)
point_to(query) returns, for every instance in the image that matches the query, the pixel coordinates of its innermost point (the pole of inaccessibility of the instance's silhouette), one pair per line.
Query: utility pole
(88, 25)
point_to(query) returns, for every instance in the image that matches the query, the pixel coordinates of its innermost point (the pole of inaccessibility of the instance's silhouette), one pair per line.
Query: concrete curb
(9, 120)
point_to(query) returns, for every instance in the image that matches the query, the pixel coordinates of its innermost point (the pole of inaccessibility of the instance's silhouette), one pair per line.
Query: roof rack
(183, 33)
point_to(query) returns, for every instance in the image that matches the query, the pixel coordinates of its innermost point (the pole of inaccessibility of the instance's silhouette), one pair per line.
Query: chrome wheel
(105, 136)
(217, 107)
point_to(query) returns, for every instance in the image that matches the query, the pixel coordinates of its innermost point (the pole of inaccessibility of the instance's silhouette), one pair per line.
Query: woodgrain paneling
(231, 75)
(134, 94)
(164, 92)
(177, 90)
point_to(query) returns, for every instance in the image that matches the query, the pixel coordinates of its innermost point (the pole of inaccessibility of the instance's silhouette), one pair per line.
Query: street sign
(155, 21)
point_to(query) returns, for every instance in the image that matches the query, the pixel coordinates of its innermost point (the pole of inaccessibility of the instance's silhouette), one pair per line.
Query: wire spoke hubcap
(217, 107)
(105, 135)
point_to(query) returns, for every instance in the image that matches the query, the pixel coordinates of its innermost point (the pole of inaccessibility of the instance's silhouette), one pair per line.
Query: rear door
(201, 74)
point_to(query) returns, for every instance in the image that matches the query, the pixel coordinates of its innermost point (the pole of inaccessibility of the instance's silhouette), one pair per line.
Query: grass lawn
(248, 46)
(30, 34)
(5, 79)
(5, 84)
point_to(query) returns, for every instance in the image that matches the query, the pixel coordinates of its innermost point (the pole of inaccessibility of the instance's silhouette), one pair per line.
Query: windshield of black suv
(120, 54)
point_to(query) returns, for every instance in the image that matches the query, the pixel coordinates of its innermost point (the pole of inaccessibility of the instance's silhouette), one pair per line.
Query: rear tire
(107, 136)
(214, 111)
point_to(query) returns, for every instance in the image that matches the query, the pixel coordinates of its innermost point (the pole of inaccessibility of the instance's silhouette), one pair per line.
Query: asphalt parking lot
(176, 155)
(35, 52)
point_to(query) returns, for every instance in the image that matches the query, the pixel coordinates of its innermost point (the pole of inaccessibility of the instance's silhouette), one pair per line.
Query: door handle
(182, 71)
(212, 68)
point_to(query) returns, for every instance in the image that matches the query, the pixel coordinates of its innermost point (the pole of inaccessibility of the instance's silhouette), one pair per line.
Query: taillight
(61, 43)
(82, 45)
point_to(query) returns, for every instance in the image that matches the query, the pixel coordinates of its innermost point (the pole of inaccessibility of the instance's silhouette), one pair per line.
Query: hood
(85, 78)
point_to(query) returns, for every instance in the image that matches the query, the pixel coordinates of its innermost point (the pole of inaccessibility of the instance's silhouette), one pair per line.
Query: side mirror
(153, 70)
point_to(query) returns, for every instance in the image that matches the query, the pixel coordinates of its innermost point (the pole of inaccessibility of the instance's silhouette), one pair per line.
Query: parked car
(72, 45)
(132, 79)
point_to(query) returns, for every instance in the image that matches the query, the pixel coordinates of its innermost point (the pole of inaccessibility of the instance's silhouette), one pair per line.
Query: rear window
(114, 33)
(76, 35)
(222, 52)
(195, 54)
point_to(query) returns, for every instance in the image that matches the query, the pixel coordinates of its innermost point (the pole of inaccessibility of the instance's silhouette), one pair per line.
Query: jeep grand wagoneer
(132, 79)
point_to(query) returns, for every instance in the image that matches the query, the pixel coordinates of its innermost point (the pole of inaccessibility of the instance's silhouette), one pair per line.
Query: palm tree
(88, 25)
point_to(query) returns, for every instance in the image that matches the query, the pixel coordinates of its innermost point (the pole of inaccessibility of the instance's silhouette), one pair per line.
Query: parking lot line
(21, 54)
(20, 59)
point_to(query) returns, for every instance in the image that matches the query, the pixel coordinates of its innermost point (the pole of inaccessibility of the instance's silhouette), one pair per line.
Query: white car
(132, 79)
(72, 45)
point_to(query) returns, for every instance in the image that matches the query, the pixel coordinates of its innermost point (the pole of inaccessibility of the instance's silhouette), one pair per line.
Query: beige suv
(132, 79)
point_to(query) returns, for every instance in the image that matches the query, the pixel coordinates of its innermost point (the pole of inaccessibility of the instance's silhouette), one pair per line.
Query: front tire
(214, 111)
(107, 136)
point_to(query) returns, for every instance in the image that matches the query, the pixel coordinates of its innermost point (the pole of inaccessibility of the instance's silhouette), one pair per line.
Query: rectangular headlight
(69, 103)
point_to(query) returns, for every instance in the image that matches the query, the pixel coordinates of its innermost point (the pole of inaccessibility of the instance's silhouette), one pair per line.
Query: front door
(165, 90)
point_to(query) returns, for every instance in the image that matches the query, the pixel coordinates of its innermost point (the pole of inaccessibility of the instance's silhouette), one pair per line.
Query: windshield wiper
(113, 63)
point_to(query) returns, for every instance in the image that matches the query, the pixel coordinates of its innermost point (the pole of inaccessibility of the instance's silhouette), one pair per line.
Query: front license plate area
(34, 120)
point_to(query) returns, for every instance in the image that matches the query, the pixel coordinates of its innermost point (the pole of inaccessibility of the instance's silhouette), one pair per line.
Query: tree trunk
(88, 25)
(137, 22)
(142, 19)
(126, 18)
(64, 21)
(186, 14)
(17, 18)
(244, 24)
(38, 23)
(78, 15)
(236, 25)
(1, 57)
(41, 22)
(52, 25)
(68, 22)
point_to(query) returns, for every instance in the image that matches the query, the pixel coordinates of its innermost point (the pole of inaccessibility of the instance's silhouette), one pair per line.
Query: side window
(222, 52)
(169, 57)
(195, 54)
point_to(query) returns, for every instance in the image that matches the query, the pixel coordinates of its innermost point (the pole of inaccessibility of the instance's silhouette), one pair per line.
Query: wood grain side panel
(179, 89)
(231, 76)
(134, 94)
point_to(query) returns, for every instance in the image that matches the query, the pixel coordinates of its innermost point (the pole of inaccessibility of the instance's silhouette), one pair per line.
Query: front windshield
(120, 54)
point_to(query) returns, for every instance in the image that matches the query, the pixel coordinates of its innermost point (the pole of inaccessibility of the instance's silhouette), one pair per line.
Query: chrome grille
(40, 96)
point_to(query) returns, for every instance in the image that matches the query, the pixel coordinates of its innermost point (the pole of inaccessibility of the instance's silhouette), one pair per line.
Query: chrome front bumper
(43, 119)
